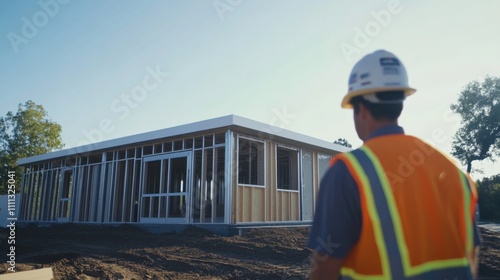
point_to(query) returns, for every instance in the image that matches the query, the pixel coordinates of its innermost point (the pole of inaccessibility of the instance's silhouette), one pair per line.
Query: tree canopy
(489, 197)
(479, 136)
(343, 142)
(29, 132)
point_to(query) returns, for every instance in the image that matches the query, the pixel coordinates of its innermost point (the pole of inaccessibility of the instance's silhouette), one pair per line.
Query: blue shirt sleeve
(337, 220)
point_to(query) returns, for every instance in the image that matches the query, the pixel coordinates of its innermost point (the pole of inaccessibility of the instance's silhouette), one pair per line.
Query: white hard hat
(377, 72)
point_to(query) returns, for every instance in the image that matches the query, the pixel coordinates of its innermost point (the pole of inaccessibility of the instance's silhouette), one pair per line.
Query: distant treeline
(489, 198)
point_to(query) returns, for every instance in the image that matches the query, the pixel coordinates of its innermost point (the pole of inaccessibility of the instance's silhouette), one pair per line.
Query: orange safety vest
(417, 209)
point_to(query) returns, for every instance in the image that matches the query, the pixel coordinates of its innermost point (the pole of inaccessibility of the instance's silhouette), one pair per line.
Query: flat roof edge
(214, 123)
(210, 124)
(288, 134)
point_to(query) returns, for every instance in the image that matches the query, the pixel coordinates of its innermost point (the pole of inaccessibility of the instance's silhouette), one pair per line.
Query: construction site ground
(127, 252)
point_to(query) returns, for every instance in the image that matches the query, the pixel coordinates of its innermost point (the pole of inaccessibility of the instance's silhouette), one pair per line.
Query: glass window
(109, 156)
(95, 158)
(178, 145)
(209, 140)
(167, 147)
(147, 150)
(198, 142)
(158, 149)
(153, 170)
(131, 153)
(177, 175)
(250, 162)
(121, 154)
(220, 138)
(188, 143)
(287, 169)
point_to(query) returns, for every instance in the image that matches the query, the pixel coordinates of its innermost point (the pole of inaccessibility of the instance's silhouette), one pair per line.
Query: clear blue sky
(90, 63)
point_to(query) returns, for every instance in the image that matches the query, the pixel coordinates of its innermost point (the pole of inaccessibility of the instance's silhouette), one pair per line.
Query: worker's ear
(364, 114)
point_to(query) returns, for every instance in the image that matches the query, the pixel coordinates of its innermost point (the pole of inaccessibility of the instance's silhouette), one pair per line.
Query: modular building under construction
(228, 171)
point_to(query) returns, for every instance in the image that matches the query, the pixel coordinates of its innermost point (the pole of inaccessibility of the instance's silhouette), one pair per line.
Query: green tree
(488, 191)
(343, 142)
(27, 133)
(479, 136)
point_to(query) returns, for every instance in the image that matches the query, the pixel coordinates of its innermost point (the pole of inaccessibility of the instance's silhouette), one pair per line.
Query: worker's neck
(377, 124)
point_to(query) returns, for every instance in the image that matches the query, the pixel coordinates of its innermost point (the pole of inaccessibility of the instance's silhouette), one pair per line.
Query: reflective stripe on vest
(389, 236)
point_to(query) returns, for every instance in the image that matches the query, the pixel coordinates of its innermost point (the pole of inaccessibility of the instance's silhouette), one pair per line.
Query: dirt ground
(127, 252)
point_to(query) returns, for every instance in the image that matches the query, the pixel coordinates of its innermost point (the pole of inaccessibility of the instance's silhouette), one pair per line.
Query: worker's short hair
(381, 111)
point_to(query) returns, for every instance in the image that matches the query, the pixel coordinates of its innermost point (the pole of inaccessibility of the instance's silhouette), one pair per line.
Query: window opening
(287, 169)
(250, 162)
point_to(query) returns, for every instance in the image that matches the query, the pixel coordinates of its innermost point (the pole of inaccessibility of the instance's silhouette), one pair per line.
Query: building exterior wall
(111, 186)
(267, 201)
(213, 177)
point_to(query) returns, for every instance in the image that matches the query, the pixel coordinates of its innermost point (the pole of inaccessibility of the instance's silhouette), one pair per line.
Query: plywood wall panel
(258, 205)
(294, 206)
(268, 204)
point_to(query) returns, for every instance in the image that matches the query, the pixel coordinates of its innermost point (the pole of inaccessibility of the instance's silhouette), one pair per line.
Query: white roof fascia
(268, 129)
(220, 122)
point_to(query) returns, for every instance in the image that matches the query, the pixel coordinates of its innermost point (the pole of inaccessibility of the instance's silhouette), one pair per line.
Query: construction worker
(396, 208)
